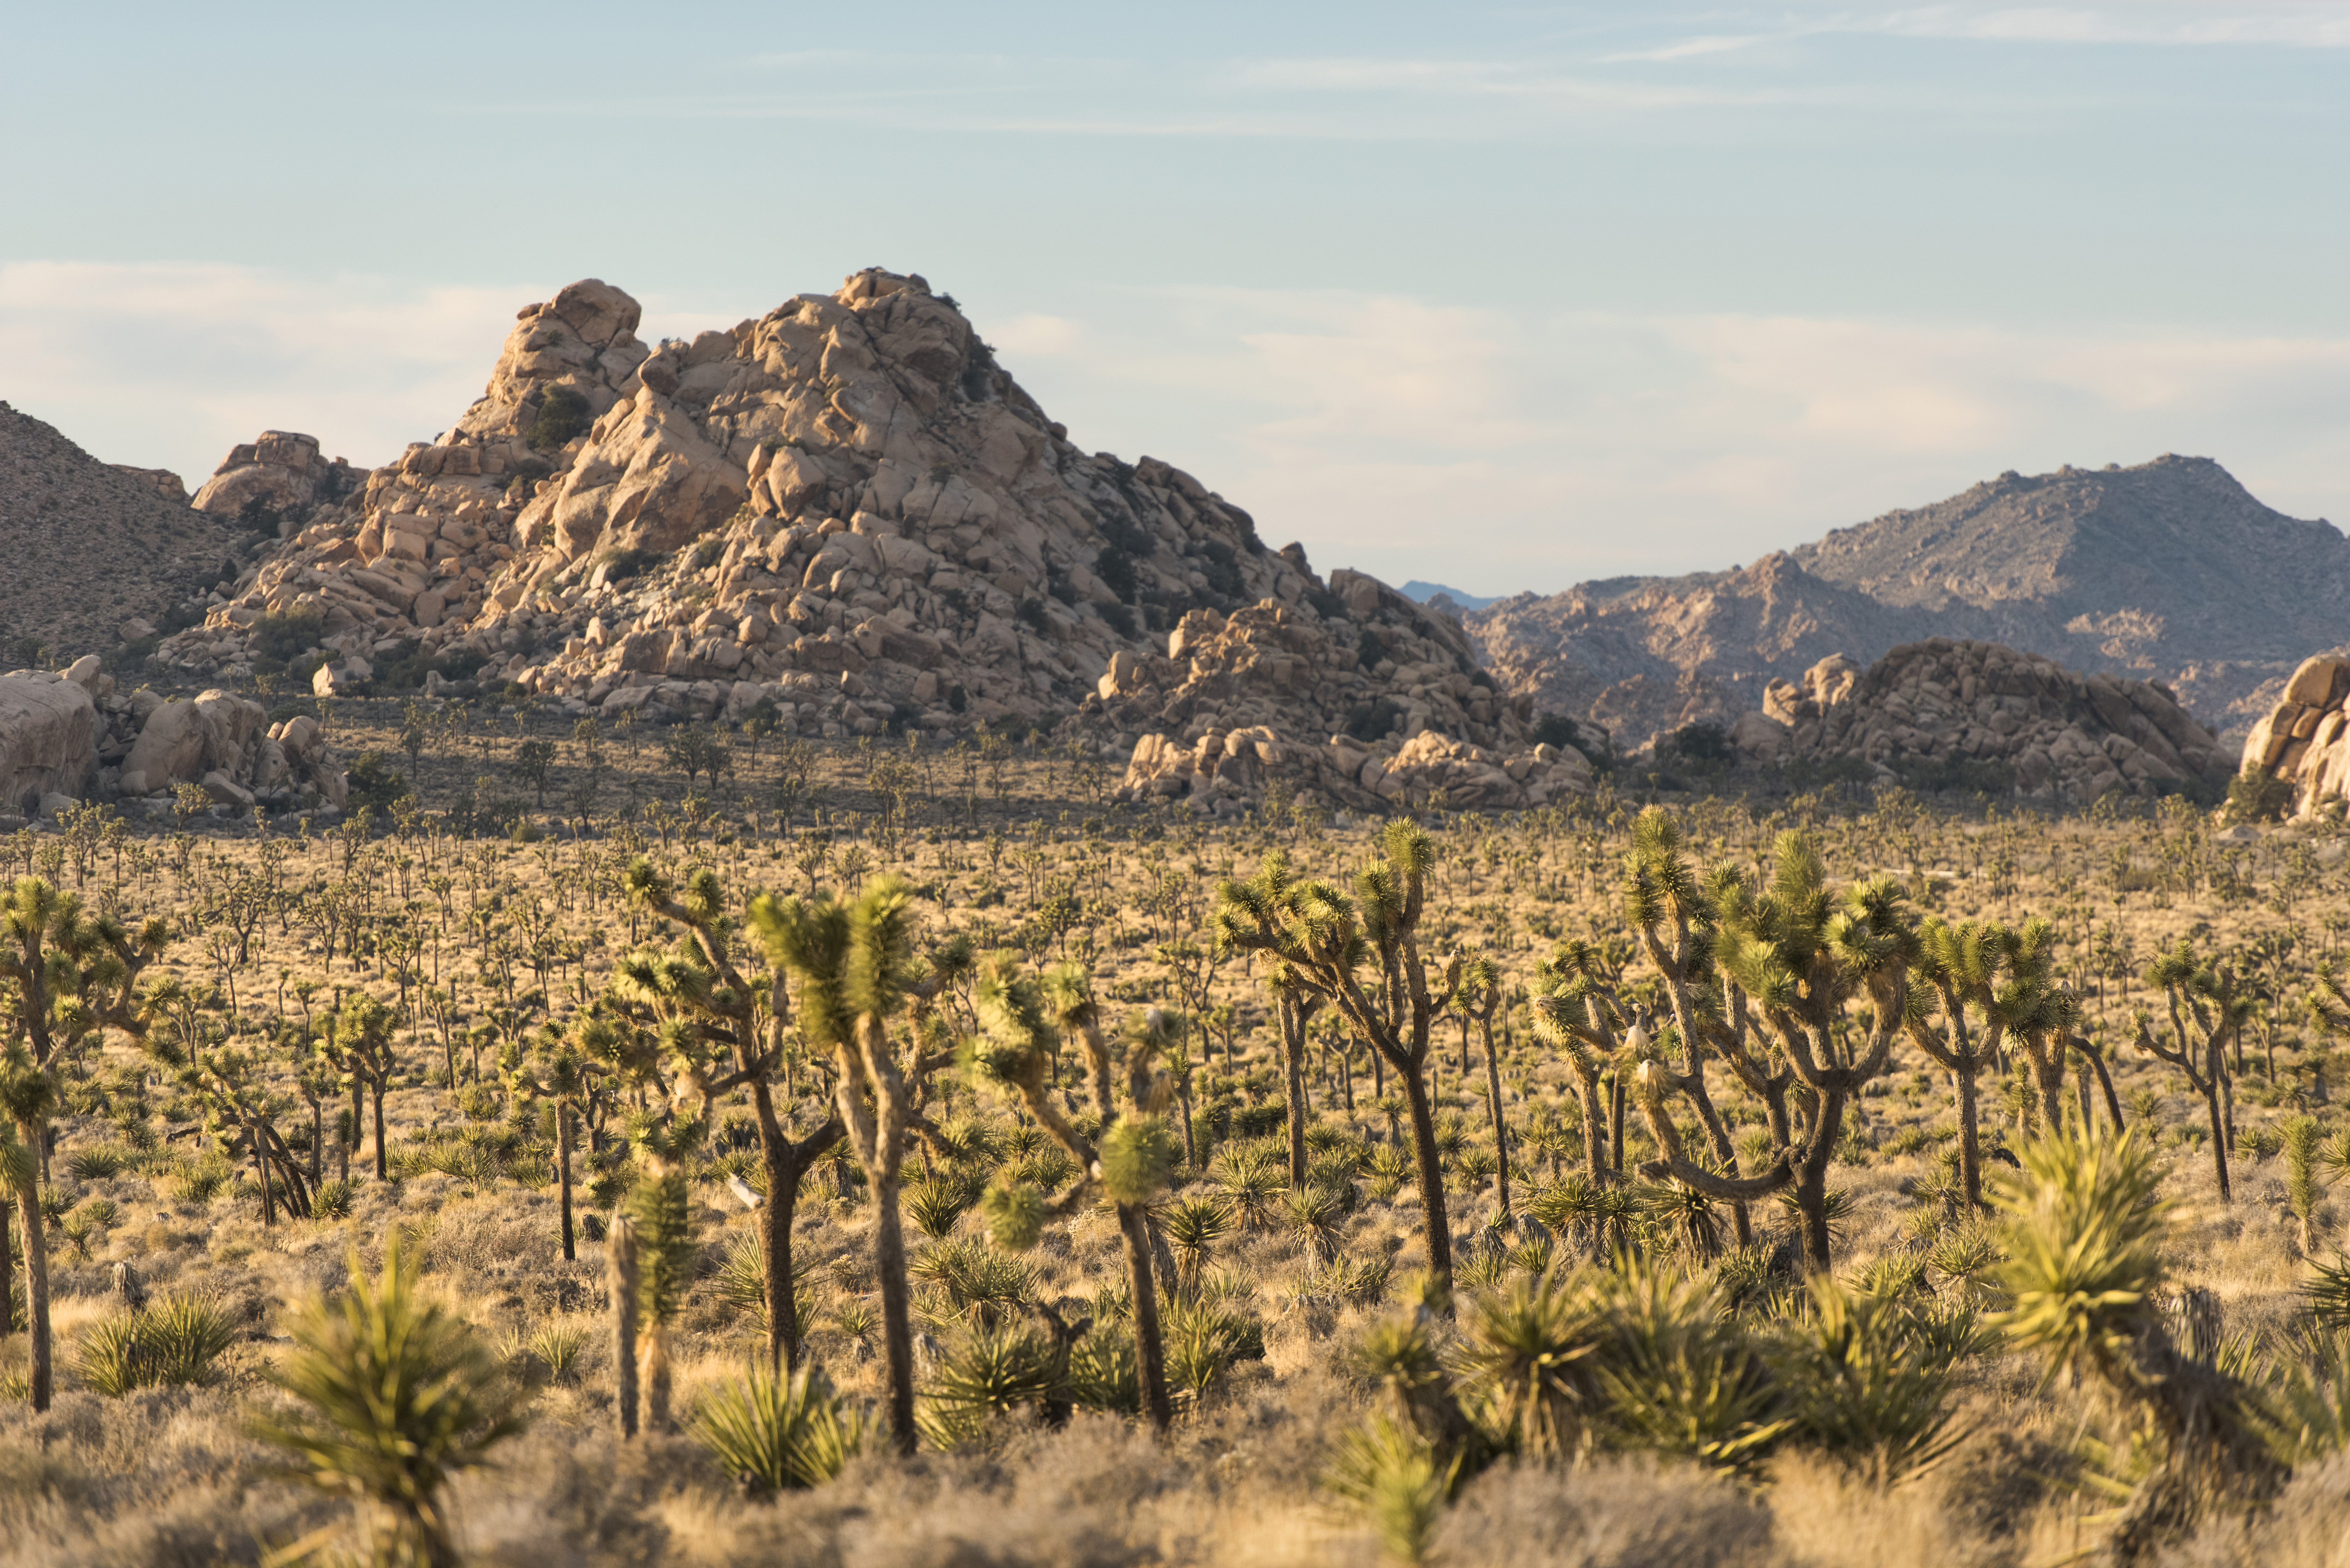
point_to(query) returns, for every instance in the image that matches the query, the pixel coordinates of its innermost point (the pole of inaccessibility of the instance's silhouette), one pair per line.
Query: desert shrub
(286, 635)
(563, 413)
(1557, 730)
(2257, 797)
(168, 1342)
(1115, 567)
(779, 1434)
(374, 782)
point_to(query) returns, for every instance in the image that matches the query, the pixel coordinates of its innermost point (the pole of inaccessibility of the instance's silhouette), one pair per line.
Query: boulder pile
(1944, 703)
(844, 508)
(2304, 740)
(1356, 695)
(281, 474)
(69, 734)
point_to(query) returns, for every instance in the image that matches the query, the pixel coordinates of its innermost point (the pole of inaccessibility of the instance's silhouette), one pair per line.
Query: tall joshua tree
(1830, 978)
(2198, 998)
(1977, 982)
(1363, 954)
(1019, 1016)
(359, 1042)
(66, 976)
(726, 1030)
(856, 971)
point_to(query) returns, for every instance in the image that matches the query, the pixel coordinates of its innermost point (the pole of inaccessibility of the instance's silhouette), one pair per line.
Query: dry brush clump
(857, 1154)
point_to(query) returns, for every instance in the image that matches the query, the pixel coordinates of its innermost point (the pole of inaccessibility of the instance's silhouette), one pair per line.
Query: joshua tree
(359, 1042)
(1478, 998)
(1830, 978)
(1019, 1015)
(1575, 1010)
(2198, 997)
(1328, 940)
(1977, 982)
(725, 1029)
(64, 976)
(854, 967)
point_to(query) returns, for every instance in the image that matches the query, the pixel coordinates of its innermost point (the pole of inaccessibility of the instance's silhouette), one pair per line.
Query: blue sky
(1505, 297)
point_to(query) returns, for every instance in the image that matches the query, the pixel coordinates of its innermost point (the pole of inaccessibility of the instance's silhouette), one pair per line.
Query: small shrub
(779, 1434)
(563, 413)
(170, 1343)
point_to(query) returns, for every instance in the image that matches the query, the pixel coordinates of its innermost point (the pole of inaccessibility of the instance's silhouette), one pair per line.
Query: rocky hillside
(844, 508)
(94, 554)
(2168, 570)
(1947, 713)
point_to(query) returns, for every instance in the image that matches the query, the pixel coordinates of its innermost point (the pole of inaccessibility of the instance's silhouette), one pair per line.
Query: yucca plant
(1103, 1374)
(1399, 1477)
(1678, 1371)
(2304, 1410)
(2326, 1292)
(332, 1200)
(1684, 1216)
(2302, 1185)
(557, 1347)
(2085, 1220)
(1318, 1214)
(993, 1371)
(741, 1278)
(96, 1163)
(935, 1203)
(1860, 1387)
(1252, 1181)
(393, 1396)
(1526, 1357)
(165, 1344)
(1193, 1226)
(779, 1434)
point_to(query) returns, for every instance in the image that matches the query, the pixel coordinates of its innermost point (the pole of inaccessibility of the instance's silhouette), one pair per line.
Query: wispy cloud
(1522, 449)
(170, 364)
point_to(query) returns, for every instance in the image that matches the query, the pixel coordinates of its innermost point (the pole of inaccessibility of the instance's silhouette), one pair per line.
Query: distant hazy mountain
(1424, 592)
(2168, 571)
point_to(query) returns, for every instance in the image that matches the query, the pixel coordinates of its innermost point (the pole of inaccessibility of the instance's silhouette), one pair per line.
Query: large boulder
(49, 727)
(182, 741)
(2305, 741)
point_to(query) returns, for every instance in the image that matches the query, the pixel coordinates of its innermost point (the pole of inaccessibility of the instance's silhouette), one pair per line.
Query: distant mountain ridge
(2168, 571)
(1424, 592)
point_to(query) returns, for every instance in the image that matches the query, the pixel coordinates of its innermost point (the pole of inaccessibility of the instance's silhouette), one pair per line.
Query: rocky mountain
(2167, 571)
(92, 555)
(844, 509)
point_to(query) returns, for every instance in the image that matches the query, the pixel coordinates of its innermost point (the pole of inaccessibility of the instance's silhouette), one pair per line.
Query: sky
(1503, 297)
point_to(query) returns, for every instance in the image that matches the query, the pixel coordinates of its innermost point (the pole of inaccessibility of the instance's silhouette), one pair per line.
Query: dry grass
(165, 1476)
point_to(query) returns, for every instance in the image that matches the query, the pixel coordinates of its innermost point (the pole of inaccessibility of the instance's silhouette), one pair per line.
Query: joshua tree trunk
(897, 1325)
(1293, 1082)
(620, 1258)
(1500, 1133)
(1812, 1180)
(563, 1173)
(1150, 1356)
(36, 1283)
(1432, 1176)
(787, 1164)
(1970, 1139)
(382, 1165)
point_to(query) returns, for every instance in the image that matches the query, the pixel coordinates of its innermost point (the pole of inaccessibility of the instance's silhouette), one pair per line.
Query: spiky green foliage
(165, 1344)
(393, 1398)
(1014, 1212)
(1137, 1155)
(994, 1371)
(1527, 1355)
(1679, 1374)
(663, 1209)
(1864, 1387)
(779, 1433)
(1399, 1478)
(2086, 1218)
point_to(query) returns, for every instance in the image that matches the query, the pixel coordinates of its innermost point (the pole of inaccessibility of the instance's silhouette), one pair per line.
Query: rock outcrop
(1356, 695)
(846, 510)
(278, 479)
(1942, 710)
(2167, 570)
(2304, 740)
(88, 548)
(49, 727)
